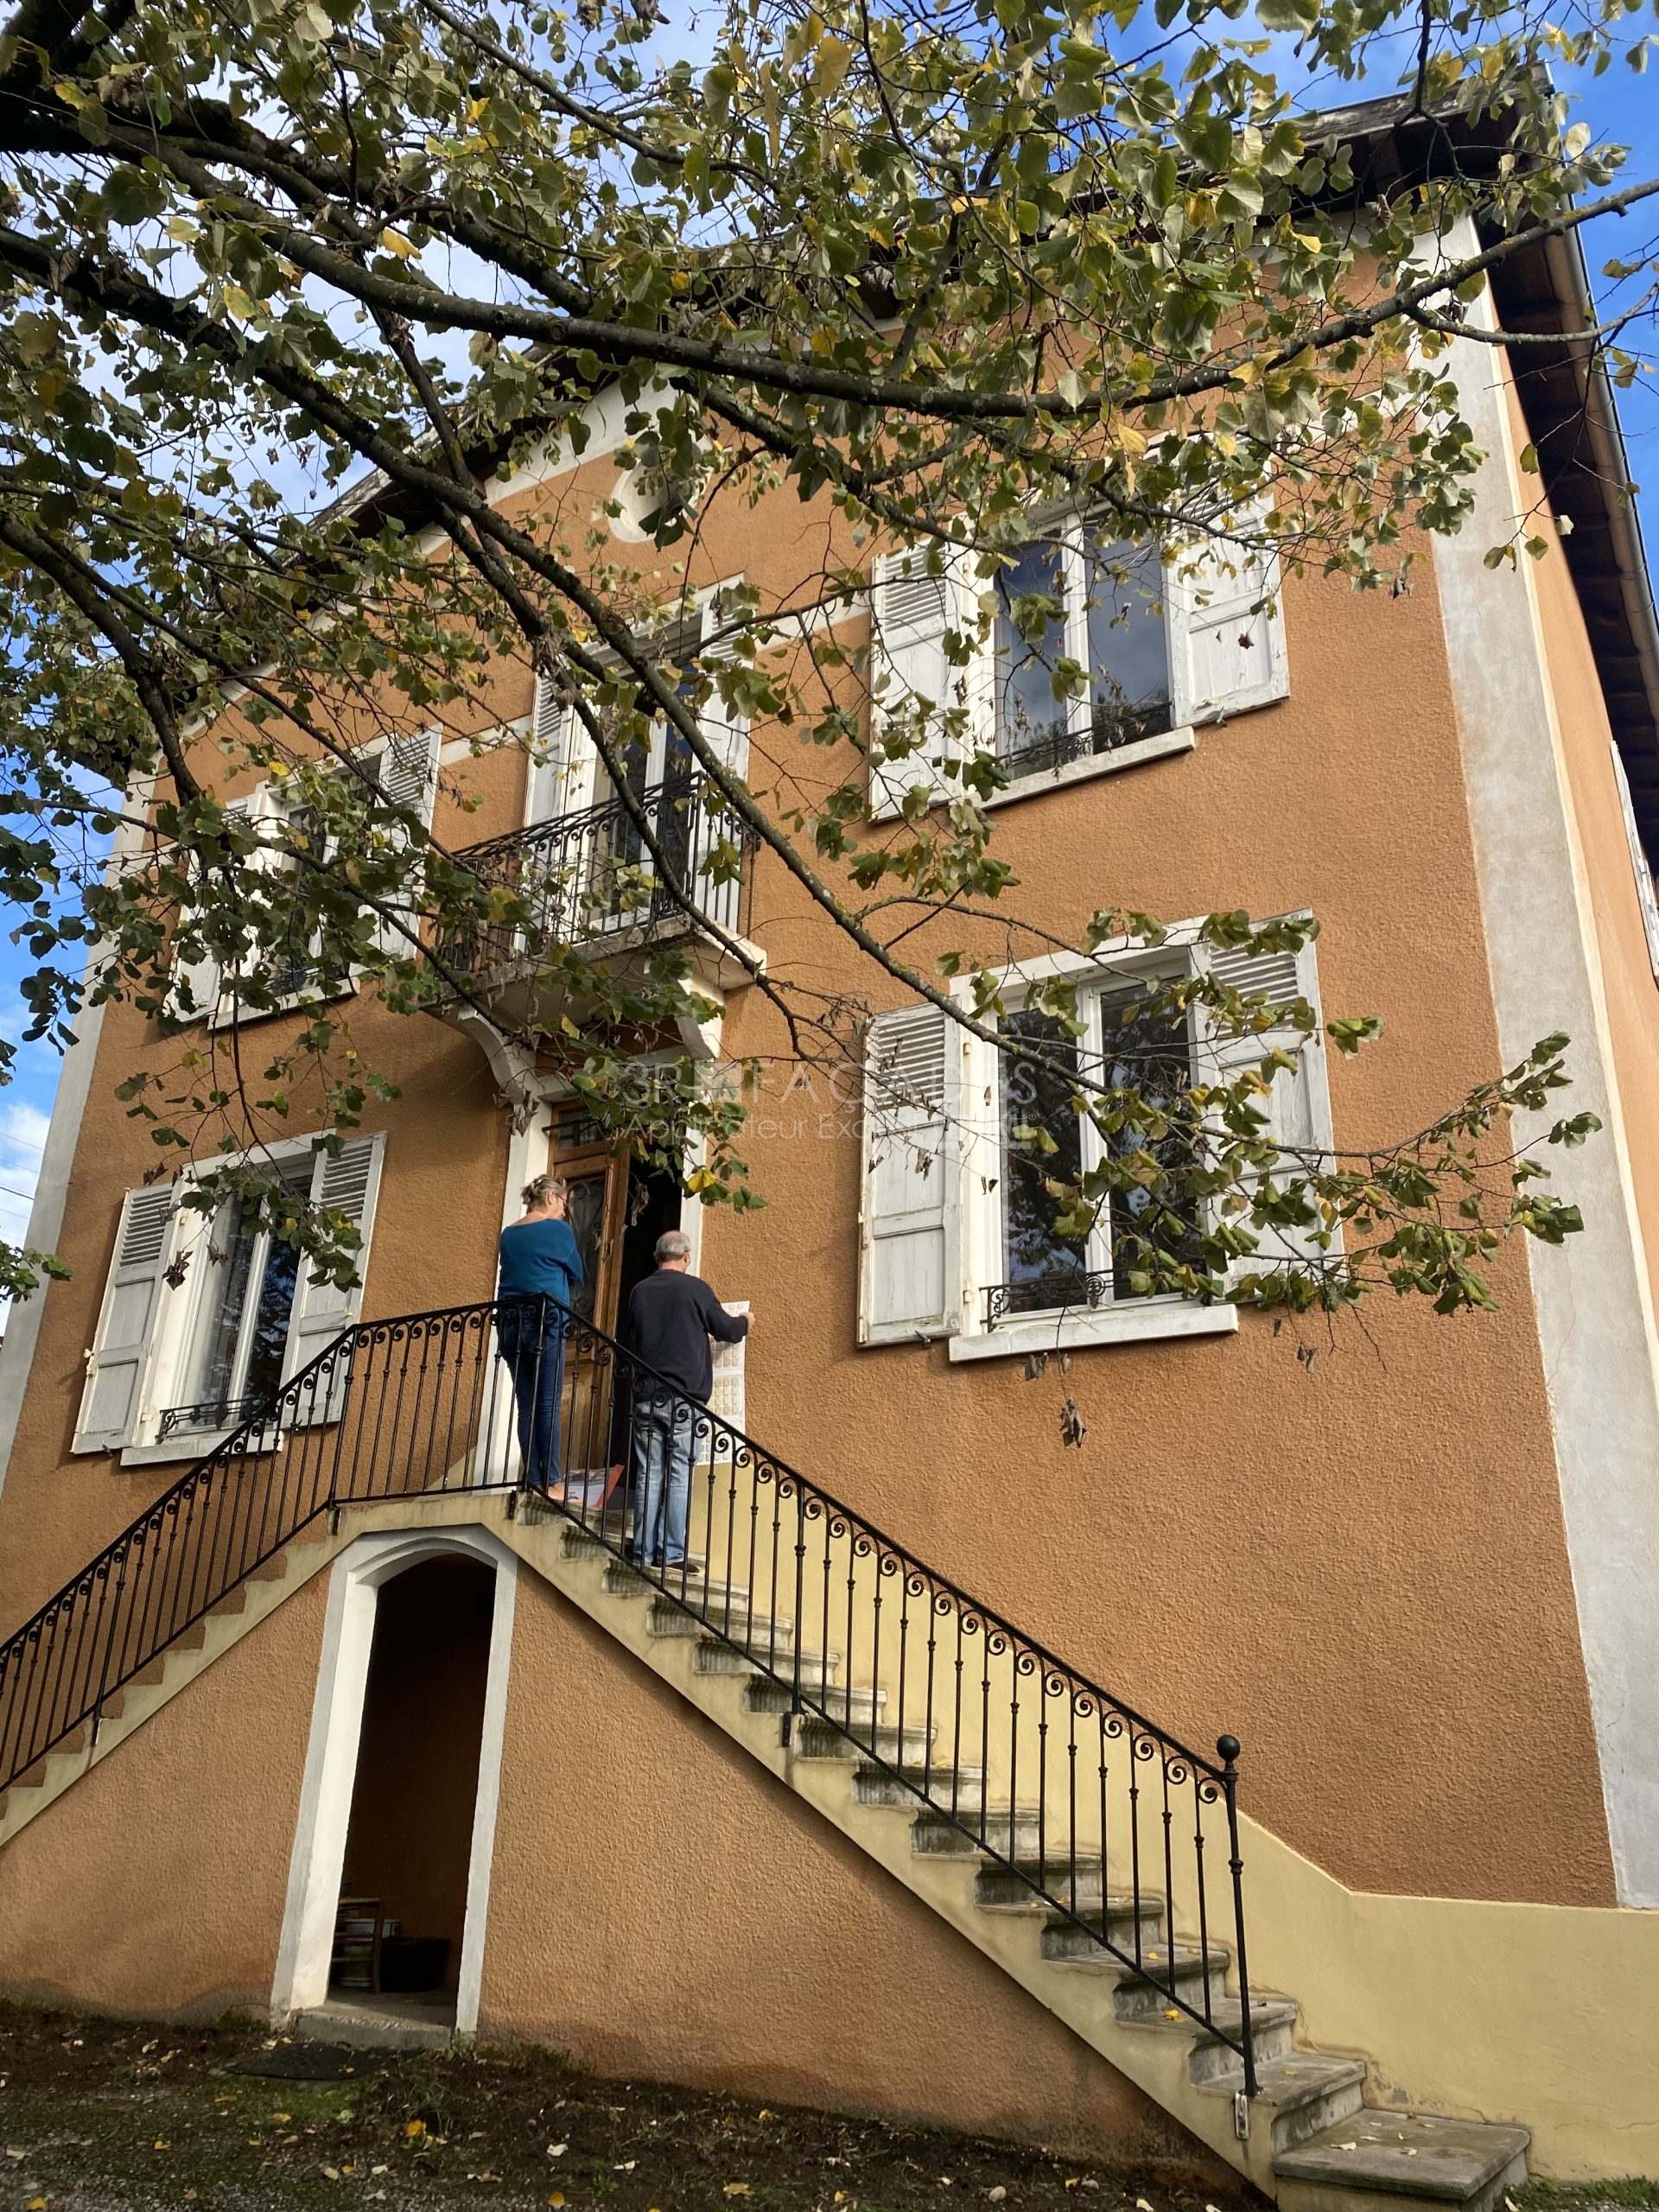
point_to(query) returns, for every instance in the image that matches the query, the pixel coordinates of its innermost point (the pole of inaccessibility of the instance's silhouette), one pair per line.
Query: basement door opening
(388, 1893)
(402, 1908)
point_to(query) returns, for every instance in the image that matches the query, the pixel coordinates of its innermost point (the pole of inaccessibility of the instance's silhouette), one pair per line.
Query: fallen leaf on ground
(558, 2149)
(997, 2194)
(413, 2127)
(736, 2189)
(557, 2199)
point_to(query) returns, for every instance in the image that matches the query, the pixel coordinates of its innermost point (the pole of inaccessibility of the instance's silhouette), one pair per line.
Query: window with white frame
(289, 971)
(1641, 866)
(1048, 1264)
(205, 1315)
(1144, 647)
(1078, 601)
(960, 1235)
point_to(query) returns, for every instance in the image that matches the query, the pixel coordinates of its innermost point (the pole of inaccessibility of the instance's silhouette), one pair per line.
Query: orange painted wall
(661, 1906)
(1356, 1565)
(156, 1885)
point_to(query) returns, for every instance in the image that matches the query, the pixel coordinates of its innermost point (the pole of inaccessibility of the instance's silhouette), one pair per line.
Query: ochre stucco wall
(1357, 1564)
(660, 1906)
(156, 1885)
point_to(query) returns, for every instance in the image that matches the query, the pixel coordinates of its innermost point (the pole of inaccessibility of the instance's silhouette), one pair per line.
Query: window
(245, 1305)
(960, 1235)
(204, 1317)
(1107, 621)
(1049, 1265)
(406, 769)
(1647, 897)
(1144, 651)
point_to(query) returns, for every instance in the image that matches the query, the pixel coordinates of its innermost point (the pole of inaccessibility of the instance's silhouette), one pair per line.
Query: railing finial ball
(1228, 1749)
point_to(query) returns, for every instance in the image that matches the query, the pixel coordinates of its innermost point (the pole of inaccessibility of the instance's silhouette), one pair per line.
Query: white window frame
(982, 1175)
(177, 1311)
(1193, 603)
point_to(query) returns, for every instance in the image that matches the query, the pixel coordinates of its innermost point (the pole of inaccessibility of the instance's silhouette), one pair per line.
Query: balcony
(590, 882)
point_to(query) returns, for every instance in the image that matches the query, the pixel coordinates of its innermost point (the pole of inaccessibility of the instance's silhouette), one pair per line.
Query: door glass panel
(1147, 1050)
(267, 1331)
(585, 1212)
(228, 1258)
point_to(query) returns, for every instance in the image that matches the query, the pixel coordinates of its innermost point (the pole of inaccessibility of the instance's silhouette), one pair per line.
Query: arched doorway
(398, 1804)
(403, 1912)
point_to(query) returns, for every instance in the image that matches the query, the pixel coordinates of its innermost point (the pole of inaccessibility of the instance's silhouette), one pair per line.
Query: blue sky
(1619, 106)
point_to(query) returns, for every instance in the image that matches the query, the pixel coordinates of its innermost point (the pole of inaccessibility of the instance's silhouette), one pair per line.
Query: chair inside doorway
(403, 1906)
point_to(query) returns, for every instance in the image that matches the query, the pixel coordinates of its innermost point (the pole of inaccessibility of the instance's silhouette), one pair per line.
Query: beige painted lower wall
(157, 1883)
(1548, 2015)
(661, 1905)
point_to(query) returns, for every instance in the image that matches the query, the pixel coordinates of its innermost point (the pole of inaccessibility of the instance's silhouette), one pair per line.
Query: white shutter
(1298, 1105)
(197, 984)
(910, 613)
(563, 765)
(120, 1355)
(407, 772)
(908, 1251)
(350, 1182)
(1226, 647)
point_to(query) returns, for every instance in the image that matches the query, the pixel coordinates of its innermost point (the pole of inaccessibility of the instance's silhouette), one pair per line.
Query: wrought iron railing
(1081, 1808)
(591, 875)
(210, 1416)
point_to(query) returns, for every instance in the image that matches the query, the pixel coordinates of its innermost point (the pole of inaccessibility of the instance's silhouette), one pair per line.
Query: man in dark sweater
(672, 1315)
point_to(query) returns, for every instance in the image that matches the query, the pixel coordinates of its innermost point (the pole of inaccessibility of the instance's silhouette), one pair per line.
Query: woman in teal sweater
(540, 1267)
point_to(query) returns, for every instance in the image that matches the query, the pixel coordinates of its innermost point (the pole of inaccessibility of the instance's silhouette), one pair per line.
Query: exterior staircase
(880, 1723)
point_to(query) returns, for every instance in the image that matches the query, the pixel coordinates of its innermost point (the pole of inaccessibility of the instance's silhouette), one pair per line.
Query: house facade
(893, 1804)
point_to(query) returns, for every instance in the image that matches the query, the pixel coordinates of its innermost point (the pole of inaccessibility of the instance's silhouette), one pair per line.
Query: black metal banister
(1032, 1763)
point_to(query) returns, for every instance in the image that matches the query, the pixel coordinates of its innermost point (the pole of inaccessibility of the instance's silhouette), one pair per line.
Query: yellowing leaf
(736, 2189)
(395, 242)
(411, 2127)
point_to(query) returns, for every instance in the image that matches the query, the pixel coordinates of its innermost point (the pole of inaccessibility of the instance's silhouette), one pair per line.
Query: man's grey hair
(672, 1244)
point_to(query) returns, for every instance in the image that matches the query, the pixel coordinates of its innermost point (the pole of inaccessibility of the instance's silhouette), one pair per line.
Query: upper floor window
(1144, 648)
(1078, 603)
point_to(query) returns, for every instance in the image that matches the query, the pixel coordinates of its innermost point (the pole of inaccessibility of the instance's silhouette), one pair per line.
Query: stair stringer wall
(153, 1882)
(660, 1906)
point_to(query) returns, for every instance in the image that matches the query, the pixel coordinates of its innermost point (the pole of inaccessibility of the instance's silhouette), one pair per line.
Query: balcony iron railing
(590, 875)
(1076, 1801)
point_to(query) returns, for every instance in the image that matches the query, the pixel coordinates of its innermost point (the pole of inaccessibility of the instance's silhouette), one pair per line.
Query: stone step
(1467, 2163)
(1301, 2094)
(1273, 2019)
(735, 1623)
(858, 1708)
(816, 1670)
(1143, 1984)
(623, 1580)
(817, 1738)
(1009, 1834)
(962, 1787)
(1036, 1886)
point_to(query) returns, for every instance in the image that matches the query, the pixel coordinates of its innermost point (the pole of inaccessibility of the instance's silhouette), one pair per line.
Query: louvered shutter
(197, 984)
(1226, 646)
(111, 1402)
(407, 771)
(909, 613)
(350, 1182)
(563, 765)
(1299, 1106)
(908, 1250)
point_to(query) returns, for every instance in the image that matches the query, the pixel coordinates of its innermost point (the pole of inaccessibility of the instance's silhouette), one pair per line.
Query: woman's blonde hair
(541, 1189)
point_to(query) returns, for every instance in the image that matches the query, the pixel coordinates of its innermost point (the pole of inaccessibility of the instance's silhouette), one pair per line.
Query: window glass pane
(1146, 1050)
(267, 1329)
(227, 1260)
(1128, 655)
(1042, 1268)
(1032, 724)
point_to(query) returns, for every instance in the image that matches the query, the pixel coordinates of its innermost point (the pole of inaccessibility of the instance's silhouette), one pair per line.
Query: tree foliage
(290, 283)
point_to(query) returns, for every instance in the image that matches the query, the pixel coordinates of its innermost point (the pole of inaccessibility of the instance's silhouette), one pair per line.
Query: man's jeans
(664, 1440)
(531, 1341)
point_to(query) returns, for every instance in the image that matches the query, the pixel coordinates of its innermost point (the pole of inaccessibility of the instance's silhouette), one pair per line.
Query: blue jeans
(664, 1438)
(530, 1338)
